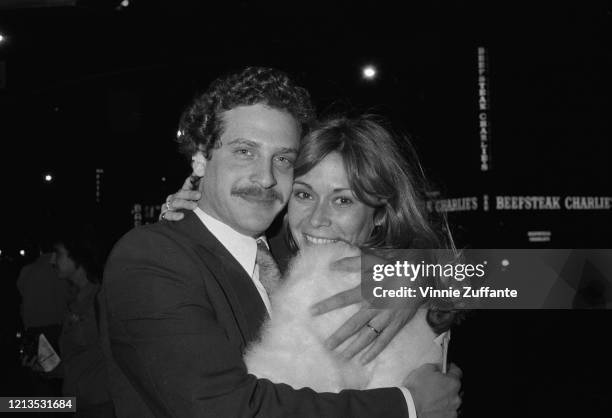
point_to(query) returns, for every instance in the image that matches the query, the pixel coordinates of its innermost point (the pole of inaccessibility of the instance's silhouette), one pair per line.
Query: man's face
(247, 181)
(62, 263)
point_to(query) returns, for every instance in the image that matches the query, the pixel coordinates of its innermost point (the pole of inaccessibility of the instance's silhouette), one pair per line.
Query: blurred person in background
(78, 261)
(44, 303)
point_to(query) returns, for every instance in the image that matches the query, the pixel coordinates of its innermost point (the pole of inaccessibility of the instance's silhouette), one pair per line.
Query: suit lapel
(241, 294)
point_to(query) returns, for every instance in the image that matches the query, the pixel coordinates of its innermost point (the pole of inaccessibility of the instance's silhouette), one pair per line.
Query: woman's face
(324, 209)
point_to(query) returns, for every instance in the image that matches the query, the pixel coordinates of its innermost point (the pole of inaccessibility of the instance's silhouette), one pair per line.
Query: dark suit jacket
(178, 313)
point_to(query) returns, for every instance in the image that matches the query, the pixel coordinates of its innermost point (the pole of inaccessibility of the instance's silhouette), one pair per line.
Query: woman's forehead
(329, 173)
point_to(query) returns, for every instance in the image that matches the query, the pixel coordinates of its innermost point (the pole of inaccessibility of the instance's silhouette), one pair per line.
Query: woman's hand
(372, 326)
(185, 198)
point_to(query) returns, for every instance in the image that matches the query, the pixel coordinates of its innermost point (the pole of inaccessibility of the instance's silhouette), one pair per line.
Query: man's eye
(284, 161)
(243, 152)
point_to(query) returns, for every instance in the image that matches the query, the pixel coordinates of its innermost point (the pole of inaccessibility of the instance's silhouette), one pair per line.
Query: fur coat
(290, 349)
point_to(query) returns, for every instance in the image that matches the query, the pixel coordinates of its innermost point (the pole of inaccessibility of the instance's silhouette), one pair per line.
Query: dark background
(89, 86)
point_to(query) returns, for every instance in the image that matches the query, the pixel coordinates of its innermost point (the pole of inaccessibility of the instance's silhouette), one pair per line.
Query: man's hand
(32, 363)
(374, 327)
(435, 395)
(186, 198)
(28, 361)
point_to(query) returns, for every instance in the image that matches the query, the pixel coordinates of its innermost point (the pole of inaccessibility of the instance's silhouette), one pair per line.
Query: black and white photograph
(305, 209)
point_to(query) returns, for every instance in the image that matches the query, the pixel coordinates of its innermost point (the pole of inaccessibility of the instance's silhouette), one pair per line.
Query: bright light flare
(48, 178)
(122, 5)
(369, 72)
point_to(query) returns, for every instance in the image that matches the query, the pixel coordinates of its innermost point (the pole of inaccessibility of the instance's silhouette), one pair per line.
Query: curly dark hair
(201, 126)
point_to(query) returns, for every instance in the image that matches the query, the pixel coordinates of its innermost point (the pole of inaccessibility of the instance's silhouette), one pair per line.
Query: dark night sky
(90, 87)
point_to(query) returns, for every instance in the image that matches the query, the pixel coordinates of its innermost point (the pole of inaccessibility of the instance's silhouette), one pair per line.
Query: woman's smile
(309, 239)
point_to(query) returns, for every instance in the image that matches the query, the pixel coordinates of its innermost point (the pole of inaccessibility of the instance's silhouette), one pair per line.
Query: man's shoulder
(160, 248)
(39, 267)
(151, 238)
(150, 269)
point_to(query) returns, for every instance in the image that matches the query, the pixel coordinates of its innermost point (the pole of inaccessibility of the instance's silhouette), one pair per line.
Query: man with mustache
(183, 299)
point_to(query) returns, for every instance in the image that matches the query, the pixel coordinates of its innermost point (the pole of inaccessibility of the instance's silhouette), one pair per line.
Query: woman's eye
(302, 195)
(344, 201)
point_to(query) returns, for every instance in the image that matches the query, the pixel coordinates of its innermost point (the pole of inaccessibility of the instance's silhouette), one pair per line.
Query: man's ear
(198, 164)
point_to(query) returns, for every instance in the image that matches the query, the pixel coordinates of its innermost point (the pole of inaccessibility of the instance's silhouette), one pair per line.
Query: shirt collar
(242, 247)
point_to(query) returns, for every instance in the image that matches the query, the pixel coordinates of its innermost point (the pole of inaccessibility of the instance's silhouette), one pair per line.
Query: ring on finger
(377, 332)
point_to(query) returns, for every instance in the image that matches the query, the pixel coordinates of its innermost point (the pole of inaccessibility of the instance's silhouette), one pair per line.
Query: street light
(369, 72)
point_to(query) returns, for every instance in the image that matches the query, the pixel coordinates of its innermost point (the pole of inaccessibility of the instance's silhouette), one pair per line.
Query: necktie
(269, 274)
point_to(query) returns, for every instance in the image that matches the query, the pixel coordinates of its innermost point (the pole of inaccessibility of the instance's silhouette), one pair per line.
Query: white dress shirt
(244, 249)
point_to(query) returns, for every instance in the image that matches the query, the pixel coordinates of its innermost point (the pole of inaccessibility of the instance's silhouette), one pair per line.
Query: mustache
(258, 193)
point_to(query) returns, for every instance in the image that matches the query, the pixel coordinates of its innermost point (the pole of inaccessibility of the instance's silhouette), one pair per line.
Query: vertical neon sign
(484, 124)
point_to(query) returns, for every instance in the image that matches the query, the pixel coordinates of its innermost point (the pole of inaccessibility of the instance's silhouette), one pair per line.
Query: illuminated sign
(539, 236)
(137, 214)
(553, 202)
(145, 214)
(99, 174)
(484, 125)
(521, 203)
(527, 202)
(587, 202)
(460, 204)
